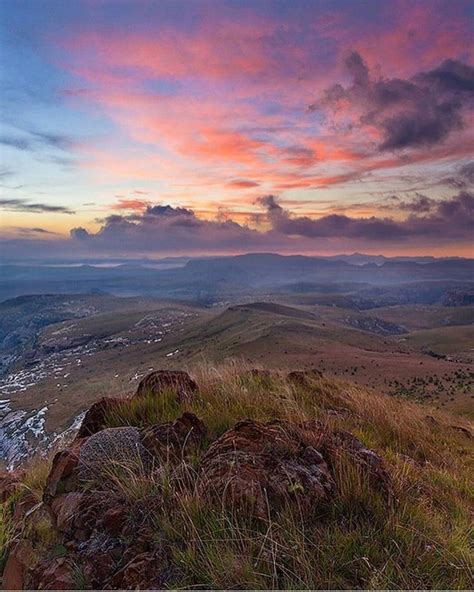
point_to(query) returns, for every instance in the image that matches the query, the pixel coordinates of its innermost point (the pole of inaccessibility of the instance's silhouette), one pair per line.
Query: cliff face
(243, 478)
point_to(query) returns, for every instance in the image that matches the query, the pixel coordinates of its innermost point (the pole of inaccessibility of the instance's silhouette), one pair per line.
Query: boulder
(177, 381)
(111, 451)
(21, 559)
(95, 418)
(263, 467)
(62, 477)
(174, 439)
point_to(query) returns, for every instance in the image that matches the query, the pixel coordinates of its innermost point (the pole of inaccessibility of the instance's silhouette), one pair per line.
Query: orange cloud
(130, 204)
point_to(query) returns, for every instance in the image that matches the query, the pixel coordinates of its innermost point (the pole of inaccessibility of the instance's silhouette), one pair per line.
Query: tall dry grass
(421, 541)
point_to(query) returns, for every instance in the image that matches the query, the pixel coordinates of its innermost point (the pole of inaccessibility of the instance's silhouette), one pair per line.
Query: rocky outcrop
(175, 439)
(263, 467)
(177, 381)
(102, 527)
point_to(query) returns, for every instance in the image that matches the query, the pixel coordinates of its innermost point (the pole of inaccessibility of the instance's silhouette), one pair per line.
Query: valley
(95, 345)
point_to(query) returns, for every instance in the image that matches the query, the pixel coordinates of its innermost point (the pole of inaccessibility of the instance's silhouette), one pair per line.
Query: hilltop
(242, 478)
(61, 353)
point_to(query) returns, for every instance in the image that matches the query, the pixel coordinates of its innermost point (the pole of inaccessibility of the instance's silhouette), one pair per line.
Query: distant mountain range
(212, 279)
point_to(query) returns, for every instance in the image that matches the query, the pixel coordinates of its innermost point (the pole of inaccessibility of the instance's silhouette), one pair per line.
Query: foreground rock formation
(102, 490)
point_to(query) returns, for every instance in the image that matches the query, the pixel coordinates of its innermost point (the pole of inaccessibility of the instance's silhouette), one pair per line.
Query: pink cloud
(227, 98)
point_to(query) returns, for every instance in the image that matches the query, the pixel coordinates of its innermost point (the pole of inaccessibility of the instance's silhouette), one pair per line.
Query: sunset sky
(190, 127)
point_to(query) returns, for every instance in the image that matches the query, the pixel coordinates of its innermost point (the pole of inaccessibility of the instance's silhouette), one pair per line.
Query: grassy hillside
(72, 363)
(419, 538)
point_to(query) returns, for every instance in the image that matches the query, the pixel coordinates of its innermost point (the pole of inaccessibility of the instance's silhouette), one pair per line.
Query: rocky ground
(260, 481)
(55, 359)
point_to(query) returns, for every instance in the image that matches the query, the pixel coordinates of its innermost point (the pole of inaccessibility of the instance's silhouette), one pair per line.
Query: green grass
(444, 340)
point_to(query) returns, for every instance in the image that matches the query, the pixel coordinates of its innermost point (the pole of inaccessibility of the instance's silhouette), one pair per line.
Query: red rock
(57, 574)
(21, 559)
(177, 381)
(262, 467)
(66, 507)
(114, 520)
(174, 440)
(62, 476)
(95, 418)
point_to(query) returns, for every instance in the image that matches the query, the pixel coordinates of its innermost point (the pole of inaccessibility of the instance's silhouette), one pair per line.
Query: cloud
(242, 184)
(463, 178)
(12, 142)
(23, 205)
(421, 204)
(163, 228)
(447, 219)
(36, 140)
(33, 231)
(406, 113)
(124, 203)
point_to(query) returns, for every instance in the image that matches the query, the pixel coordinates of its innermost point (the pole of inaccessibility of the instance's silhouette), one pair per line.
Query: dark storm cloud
(23, 205)
(334, 225)
(445, 219)
(166, 228)
(421, 111)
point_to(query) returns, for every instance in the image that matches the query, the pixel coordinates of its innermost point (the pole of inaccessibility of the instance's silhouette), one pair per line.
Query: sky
(140, 128)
